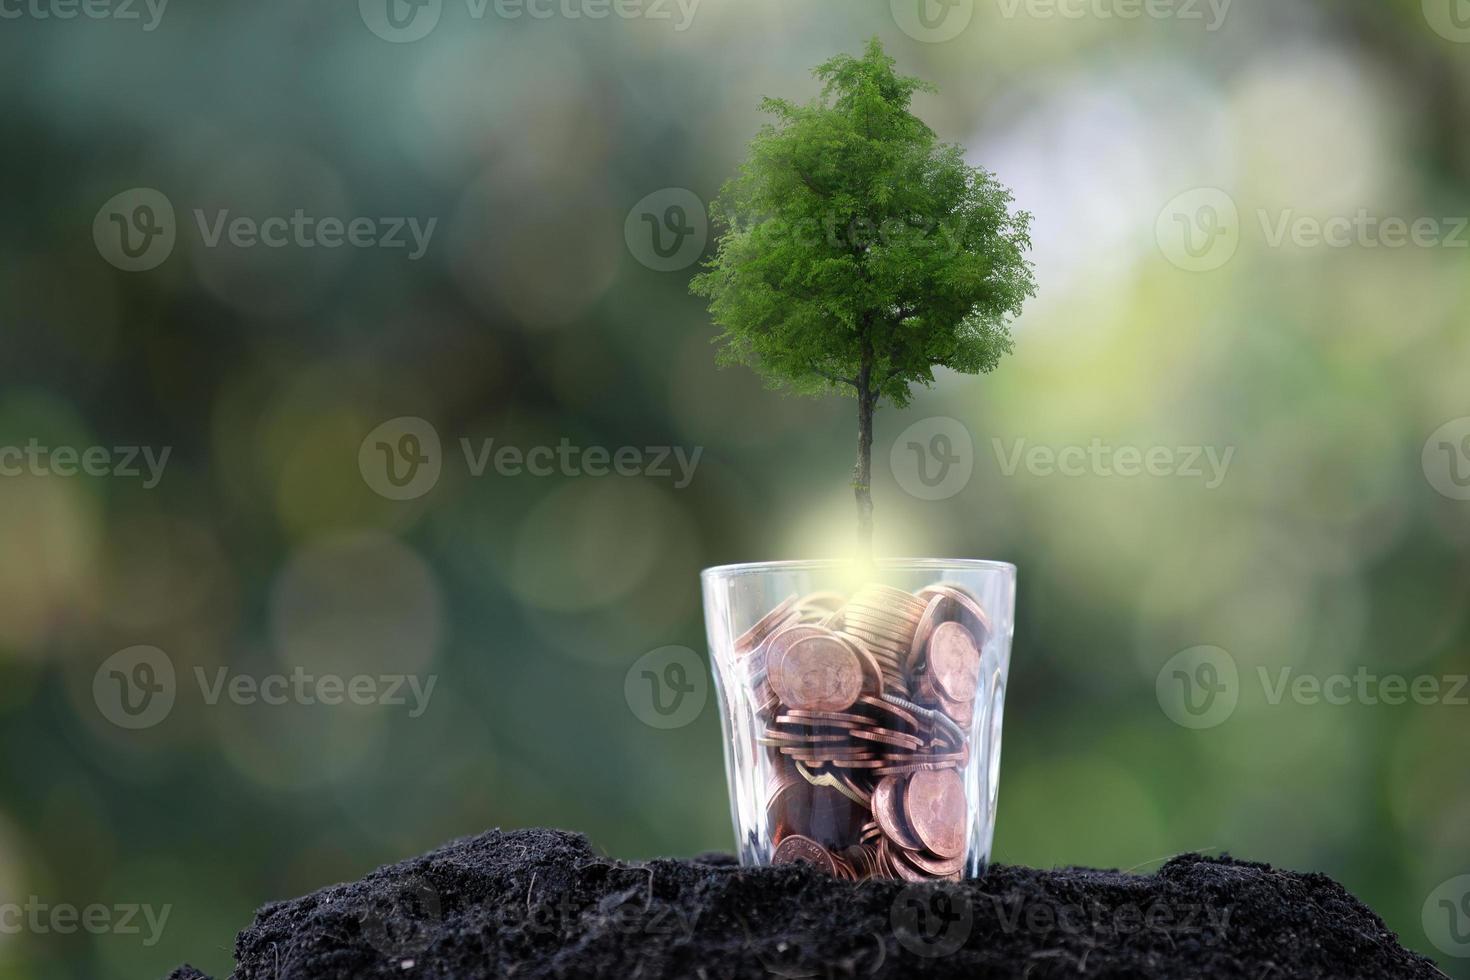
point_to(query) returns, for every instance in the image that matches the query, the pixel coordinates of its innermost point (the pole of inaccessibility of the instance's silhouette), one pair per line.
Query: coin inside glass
(818, 673)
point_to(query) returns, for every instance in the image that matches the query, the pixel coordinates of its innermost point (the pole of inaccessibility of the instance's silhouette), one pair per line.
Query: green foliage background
(1324, 549)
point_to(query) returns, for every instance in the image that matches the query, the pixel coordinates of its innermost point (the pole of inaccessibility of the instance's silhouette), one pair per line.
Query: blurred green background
(1336, 541)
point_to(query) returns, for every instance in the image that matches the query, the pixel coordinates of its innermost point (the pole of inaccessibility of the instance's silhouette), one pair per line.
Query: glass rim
(882, 564)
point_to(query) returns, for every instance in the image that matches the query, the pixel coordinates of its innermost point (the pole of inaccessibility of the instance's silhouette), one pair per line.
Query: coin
(968, 608)
(938, 867)
(889, 737)
(899, 865)
(934, 803)
(818, 673)
(903, 863)
(869, 764)
(777, 646)
(865, 711)
(934, 614)
(839, 719)
(797, 849)
(954, 662)
(896, 634)
(872, 672)
(887, 706)
(820, 752)
(752, 637)
(888, 812)
(775, 737)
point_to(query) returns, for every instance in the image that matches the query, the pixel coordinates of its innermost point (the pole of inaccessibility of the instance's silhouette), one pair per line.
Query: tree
(859, 253)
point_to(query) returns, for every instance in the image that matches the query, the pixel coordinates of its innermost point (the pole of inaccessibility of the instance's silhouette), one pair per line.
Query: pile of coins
(865, 705)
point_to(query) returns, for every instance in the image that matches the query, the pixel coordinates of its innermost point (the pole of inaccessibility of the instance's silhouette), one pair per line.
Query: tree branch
(834, 378)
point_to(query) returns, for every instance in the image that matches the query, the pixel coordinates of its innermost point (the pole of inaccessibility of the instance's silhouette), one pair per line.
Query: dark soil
(541, 903)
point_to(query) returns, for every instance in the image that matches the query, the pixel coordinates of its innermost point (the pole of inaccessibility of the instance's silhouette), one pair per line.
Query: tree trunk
(862, 473)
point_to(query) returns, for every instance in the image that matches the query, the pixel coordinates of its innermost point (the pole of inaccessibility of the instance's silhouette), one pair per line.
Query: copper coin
(889, 737)
(767, 624)
(838, 719)
(872, 672)
(899, 866)
(826, 752)
(777, 646)
(892, 641)
(797, 849)
(938, 867)
(818, 673)
(888, 812)
(970, 612)
(863, 858)
(885, 649)
(774, 737)
(954, 662)
(934, 614)
(962, 713)
(858, 619)
(874, 604)
(889, 595)
(934, 802)
(906, 865)
(887, 706)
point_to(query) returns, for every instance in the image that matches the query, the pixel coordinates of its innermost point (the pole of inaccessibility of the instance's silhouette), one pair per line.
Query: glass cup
(862, 711)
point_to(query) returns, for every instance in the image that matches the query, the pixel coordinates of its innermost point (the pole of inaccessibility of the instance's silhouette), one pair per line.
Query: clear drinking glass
(862, 711)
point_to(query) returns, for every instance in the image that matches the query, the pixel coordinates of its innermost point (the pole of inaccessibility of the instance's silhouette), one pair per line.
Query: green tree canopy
(859, 252)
